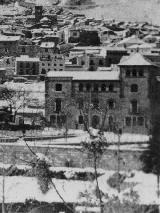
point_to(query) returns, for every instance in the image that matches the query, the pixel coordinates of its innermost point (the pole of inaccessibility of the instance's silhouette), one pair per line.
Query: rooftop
(27, 58)
(9, 38)
(135, 60)
(47, 44)
(87, 75)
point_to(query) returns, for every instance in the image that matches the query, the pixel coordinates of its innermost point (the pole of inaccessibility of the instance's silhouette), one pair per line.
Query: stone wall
(59, 155)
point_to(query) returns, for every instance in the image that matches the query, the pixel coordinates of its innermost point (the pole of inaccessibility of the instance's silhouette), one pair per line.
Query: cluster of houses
(91, 68)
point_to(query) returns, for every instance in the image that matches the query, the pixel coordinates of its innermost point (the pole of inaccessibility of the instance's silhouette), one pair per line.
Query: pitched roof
(86, 75)
(135, 60)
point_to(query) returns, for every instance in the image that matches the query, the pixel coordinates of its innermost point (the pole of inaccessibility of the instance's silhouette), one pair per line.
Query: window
(134, 106)
(91, 68)
(101, 62)
(95, 88)
(55, 69)
(88, 87)
(134, 88)
(111, 88)
(80, 119)
(49, 64)
(128, 121)
(46, 50)
(80, 103)
(81, 87)
(43, 71)
(111, 104)
(91, 62)
(43, 64)
(58, 87)
(48, 70)
(21, 64)
(141, 73)
(82, 63)
(23, 50)
(134, 73)
(61, 65)
(128, 73)
(95, 103)
(134, 121)
(27, 65)
(49, 57)
(110, 120)
(52, 119)
(58, 105)
(103, 87)
(55, 64)
(140, 121)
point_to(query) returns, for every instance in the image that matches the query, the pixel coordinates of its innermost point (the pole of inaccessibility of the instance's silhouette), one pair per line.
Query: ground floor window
(80, 119)
(134, 121)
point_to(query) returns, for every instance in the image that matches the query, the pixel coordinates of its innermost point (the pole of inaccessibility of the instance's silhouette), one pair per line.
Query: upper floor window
(95, 88)
(27, 65)
(103, 87)
(81, 87)
(58, 87)
(141, 73)
(111, 88)
(134, 73)
(134, 88)
(88, 87)
(23, 50)
(46, 50)
(128, 73)
(134, 106)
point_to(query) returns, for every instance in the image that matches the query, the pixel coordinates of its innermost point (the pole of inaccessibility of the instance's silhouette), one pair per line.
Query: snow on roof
(131, 40)
(135, 60)
(47, 44)
(9, 38)
(27, 58)
(86, 75)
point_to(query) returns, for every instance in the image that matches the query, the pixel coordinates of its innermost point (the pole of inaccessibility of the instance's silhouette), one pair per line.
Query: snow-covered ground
(144, 184)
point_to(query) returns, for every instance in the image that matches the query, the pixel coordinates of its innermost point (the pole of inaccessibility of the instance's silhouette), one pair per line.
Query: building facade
(123, 97)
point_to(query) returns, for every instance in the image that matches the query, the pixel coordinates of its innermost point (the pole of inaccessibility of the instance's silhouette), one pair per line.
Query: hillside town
(79, 111)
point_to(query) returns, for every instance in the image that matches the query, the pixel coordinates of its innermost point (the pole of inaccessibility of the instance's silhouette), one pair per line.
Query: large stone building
(125, 96)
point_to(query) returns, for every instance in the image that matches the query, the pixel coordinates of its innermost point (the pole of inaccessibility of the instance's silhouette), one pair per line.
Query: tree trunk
(96, 178)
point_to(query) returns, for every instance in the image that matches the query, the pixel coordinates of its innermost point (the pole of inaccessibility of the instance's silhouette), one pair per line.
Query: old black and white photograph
(79, 106)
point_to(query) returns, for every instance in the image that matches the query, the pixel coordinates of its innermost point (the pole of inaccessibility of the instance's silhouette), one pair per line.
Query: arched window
(81, 87)
(111, 88)
(134, 88)
(134, 106)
